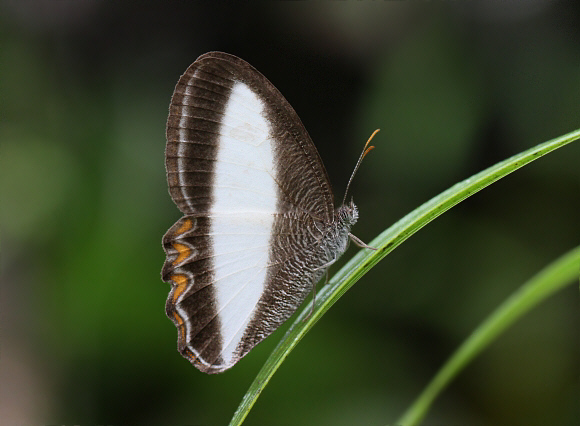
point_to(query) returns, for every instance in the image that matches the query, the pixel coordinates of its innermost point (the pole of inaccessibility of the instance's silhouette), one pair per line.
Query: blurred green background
(455, 87)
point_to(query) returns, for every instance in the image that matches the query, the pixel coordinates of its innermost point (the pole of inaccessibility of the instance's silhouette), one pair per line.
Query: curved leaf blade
(388, 240)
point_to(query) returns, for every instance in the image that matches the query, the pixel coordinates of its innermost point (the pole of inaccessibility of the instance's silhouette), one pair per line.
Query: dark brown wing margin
(193, 126)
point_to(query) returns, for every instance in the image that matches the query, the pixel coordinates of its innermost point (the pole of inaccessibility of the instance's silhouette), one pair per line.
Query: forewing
(198, 123)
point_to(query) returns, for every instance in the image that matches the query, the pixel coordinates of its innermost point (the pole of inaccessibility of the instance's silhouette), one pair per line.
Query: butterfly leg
(359, 242)
(325, 266)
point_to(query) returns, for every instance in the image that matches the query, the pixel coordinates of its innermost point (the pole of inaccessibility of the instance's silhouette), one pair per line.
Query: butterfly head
(347, 213)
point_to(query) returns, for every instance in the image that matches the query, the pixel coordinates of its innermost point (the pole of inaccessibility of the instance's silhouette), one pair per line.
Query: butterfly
(259, 228)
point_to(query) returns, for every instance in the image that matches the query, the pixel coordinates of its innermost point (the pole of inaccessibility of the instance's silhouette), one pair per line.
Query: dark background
(455, 87)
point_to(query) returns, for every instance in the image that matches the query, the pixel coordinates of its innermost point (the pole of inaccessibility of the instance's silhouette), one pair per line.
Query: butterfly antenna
(365, 151)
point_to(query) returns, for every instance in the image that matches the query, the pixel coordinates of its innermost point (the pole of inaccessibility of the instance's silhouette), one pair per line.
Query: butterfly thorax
(336, 237)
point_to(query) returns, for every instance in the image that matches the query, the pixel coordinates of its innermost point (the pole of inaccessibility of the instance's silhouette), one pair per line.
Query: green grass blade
(386, 242)
(551, 279)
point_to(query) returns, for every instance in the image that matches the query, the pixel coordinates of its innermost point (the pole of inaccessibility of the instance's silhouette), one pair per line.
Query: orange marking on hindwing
(190, 355)
(185, 226)
(183, 253)
(183, 250)
(180, 327)
(180, 286)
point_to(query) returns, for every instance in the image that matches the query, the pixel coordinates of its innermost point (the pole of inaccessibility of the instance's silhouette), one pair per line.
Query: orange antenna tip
(369, 149)
(366, 150)
(372, 136)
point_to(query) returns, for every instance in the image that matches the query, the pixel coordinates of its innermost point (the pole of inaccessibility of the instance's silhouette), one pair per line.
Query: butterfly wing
(244, 171)
(198, 125)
